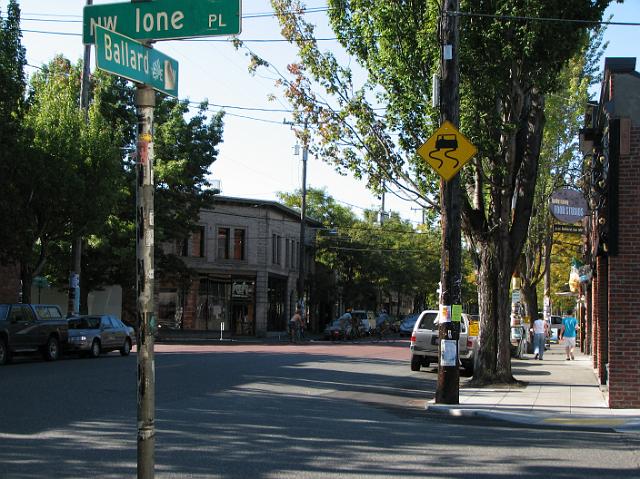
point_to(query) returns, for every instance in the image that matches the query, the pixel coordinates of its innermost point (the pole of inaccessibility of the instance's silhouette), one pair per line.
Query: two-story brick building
(245, 256)
(611, 298)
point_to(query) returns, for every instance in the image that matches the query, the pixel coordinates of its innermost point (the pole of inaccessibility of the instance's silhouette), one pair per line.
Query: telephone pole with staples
(448, 387)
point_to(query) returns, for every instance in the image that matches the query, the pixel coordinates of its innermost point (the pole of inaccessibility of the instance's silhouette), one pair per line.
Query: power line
(245, 16)
(544, 19)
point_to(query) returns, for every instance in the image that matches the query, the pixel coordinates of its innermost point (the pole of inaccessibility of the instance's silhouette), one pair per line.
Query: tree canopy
(509, 61)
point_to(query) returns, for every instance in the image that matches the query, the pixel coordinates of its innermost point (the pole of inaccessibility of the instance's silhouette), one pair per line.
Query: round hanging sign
(568, 205)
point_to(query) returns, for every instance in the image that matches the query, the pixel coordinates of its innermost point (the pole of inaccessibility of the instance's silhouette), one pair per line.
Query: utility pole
(382, 206)
(448, 387)
(303, 215)
(145, 104)
(73, 305)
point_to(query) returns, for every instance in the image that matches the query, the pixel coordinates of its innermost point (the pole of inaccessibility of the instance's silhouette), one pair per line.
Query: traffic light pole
(448, 387)
(145, 104)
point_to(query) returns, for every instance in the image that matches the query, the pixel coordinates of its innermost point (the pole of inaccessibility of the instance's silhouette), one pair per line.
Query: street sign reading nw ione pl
(122, 56)
(164, 19)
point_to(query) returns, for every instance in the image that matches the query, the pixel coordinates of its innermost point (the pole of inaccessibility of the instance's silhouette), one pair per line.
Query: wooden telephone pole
(448, 387)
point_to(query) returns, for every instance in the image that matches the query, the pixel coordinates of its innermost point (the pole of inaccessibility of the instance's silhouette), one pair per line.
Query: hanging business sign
(568, 205)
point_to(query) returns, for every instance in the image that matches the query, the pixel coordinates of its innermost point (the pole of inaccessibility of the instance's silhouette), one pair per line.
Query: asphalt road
(315, 410)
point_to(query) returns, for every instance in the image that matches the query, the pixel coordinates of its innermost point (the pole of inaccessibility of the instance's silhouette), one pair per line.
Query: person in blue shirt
(568, 334)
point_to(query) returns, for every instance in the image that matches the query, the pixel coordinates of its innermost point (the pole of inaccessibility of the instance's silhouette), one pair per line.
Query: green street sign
(164, 19)
(127, 58)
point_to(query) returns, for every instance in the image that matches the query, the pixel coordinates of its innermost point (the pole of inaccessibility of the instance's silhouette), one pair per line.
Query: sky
(257, 157)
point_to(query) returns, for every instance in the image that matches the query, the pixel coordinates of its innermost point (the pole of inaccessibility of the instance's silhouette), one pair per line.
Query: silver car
(95, 334)
(424, 342)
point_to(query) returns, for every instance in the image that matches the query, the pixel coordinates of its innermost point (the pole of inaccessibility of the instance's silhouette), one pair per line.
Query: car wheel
(126, 349)
(52, 349)
(95, 350)
(5, 355)
(415, 363)
(425, 363)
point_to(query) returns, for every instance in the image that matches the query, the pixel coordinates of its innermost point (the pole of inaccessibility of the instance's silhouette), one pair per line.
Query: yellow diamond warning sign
(447, 150)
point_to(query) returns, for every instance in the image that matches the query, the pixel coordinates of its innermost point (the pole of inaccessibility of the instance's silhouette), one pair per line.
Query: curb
(564, 421)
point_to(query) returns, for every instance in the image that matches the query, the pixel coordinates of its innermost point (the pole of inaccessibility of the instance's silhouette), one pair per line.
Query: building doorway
(243, 319)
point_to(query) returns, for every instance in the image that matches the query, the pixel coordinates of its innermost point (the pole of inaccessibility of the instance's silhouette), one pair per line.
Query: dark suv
(27, 328)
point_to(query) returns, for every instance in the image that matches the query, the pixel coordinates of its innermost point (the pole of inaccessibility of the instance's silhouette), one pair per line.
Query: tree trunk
(493, 364)
(530, 300)
(26, 278)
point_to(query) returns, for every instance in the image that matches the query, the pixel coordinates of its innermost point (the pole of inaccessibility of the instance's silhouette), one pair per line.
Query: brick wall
(603, 316)
(594, 320)
(624, 287)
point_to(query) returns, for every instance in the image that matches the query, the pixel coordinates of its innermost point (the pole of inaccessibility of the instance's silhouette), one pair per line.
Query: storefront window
(276, 316)
(213, 306)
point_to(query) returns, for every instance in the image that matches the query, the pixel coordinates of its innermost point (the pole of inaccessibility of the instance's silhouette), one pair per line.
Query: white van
(424, 342)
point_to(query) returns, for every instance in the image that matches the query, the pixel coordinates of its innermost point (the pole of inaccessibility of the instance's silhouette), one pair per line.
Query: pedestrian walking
(295, 325)
(568, 334)
(540, 331)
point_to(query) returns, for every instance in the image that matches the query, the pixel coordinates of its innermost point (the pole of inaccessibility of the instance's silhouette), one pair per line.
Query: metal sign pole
(145, 103)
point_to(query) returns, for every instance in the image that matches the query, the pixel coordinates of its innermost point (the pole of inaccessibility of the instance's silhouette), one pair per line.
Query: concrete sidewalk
(559, 393)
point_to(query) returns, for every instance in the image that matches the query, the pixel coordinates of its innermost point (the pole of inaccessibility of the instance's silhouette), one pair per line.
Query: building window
(286, 253)
(292, 255)
(223, 243)
(239, 244)
(183, 247)
(198, 242)
(275, 249)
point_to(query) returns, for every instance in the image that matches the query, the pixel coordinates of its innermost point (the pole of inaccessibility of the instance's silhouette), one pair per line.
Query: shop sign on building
(568, 205)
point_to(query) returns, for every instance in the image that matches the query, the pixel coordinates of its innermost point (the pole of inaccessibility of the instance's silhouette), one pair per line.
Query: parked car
(384, 322)
(424, 342)
(406, 327)
(364, 327)
(554, 328)
(95, 334)
(362, 315)
(27, 328)
(340, 328)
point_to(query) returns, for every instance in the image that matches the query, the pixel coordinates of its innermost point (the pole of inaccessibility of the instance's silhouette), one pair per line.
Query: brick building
(610, 312)
(245, 256)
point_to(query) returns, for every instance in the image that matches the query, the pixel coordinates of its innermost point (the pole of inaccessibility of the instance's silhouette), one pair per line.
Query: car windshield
(84, 323)
(4, 309)
(428, 321)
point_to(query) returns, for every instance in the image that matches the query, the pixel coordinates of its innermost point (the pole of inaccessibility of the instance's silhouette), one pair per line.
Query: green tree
(12, 79)
(369, 261)
(509, 62)
(69, 171)
(560, 164)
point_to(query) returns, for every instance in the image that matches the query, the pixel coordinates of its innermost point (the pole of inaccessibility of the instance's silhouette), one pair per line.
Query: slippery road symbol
(447, 150)
(448, 143)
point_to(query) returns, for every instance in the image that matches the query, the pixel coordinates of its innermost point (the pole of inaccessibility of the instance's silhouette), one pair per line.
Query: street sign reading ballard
(164, 19)
(127, 58)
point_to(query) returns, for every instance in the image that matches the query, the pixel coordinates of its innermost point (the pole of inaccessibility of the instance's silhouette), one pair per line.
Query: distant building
(244, 263)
